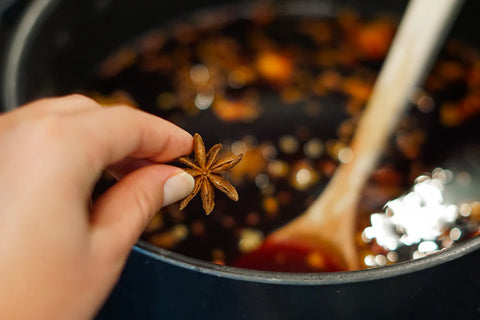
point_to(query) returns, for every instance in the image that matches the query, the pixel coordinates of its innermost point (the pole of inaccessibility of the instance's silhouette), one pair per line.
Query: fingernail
(177, 187)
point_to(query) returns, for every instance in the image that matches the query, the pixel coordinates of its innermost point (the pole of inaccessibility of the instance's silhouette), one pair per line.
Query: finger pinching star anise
(206, 170)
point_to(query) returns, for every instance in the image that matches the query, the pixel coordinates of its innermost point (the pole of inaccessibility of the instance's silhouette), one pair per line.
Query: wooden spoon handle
(420, 34)
(330, 220)
(422, 30)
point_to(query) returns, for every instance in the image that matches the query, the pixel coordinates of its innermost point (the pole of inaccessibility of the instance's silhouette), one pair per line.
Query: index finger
(115, 133)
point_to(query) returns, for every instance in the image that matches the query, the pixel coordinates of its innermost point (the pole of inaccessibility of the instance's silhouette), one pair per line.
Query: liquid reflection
(419, 222)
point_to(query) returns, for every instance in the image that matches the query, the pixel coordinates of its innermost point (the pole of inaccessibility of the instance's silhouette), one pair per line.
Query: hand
(60, 255)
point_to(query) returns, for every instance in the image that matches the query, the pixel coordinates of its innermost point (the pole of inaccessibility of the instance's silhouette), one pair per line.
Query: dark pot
(55, 48)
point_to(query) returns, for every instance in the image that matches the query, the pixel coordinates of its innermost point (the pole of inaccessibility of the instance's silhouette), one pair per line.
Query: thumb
(121, 214)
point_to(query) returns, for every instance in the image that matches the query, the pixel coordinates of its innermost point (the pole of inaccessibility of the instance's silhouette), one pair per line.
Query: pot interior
(289, 130)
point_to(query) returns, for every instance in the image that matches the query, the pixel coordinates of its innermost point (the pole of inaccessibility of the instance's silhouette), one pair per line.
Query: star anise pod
(206, 170)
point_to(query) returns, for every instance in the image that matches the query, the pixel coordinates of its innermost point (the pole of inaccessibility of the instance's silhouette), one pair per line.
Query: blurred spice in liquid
(287, 91)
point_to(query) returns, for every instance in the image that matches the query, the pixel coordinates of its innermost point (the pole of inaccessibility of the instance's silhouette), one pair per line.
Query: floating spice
(297, 84)
(206, 170)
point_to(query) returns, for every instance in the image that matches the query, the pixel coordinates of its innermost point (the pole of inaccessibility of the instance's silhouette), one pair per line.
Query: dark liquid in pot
(287, 91)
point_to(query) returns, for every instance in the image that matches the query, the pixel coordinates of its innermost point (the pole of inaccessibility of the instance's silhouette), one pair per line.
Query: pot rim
(325, 278)
(15, 50)
(22, 33)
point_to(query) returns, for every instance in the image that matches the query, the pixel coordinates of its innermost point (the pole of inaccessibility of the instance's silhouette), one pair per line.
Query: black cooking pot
(54, 50)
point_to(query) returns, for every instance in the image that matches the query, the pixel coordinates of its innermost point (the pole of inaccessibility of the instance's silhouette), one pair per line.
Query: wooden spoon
(327, 226)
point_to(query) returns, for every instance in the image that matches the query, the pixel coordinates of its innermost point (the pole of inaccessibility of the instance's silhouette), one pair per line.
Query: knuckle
(78, 96)
(41, 139)
(81, 98)
(49, 127)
